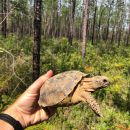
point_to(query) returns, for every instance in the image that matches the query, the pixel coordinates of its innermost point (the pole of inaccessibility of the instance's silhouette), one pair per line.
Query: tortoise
(70, 88)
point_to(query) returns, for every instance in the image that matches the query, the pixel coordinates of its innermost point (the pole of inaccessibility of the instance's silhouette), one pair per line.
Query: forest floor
(101, 59)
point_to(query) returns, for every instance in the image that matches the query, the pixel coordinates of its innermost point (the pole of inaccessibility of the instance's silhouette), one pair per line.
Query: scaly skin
(83, 93)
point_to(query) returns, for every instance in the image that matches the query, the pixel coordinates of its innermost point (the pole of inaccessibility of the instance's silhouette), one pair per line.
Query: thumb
(35, 87)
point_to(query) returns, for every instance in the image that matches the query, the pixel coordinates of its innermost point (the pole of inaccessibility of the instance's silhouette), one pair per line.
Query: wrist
(5, 126)
(13, 112)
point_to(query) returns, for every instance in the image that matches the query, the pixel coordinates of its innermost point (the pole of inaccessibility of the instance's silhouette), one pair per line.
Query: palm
(27, 108)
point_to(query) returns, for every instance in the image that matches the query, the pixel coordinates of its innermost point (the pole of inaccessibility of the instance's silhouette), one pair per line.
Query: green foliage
(20, 6)
(59, 55)
(4, 102)
(15, 70)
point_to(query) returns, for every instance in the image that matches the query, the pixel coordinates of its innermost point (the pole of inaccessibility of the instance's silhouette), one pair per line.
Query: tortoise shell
(58, 87)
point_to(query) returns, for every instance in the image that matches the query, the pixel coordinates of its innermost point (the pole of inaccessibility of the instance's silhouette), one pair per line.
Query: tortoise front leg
(88, 98)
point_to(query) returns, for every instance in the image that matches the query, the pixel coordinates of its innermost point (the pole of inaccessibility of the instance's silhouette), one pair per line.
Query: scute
(59, 87)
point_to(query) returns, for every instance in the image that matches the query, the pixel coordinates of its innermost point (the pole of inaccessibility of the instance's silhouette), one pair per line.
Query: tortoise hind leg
(88, 98)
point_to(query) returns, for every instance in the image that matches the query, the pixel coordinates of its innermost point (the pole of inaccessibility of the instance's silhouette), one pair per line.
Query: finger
(35, 87)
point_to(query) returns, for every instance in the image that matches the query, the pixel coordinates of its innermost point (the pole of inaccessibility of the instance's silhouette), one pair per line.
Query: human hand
(26, 109)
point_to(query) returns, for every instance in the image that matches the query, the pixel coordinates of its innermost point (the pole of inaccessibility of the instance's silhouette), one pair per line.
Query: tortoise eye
(104, 80)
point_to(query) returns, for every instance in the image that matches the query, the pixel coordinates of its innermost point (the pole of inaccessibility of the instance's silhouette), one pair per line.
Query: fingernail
(49, 73)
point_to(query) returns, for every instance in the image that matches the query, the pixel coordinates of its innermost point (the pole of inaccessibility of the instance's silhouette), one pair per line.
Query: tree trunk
(71, 20)
(56, 22)
(112, 36)
(4, 20)
(120, 30)
(119, 36)
(99, 25)
(37, 38)
(128, 37)
(128, 32)
(94, 22)
(107, 29)
(84, 27)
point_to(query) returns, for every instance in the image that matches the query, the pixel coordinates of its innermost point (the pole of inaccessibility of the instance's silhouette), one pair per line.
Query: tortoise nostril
(105, 81)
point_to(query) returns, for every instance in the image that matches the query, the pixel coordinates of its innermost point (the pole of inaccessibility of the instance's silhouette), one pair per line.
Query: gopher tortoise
(70, 88)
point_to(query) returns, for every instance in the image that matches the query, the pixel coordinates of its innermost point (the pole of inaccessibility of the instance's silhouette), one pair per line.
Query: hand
(26, 109)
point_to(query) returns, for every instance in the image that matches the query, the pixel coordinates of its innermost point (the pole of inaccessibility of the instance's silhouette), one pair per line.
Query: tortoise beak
(106, 82)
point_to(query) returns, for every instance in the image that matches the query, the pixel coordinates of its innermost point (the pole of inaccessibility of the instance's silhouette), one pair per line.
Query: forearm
(5, 126)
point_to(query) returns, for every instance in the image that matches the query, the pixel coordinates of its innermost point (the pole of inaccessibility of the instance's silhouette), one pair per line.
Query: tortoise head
(95, 82)
(100, 81)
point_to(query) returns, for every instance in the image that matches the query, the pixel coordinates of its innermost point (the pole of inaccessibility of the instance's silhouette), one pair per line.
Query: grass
(58, 55)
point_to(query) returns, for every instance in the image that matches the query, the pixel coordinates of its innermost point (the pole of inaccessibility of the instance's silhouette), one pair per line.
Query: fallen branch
(13, 64)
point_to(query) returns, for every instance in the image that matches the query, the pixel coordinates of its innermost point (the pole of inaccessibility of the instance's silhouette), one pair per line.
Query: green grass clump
(59, 55)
